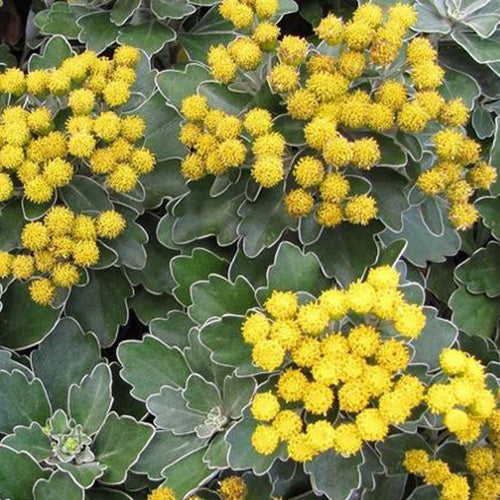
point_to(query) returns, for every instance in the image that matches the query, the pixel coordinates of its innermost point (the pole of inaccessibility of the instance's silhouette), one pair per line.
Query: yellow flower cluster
(464, 399)
(458, 173)
(483, 462)
(56, 247)
(162, 494)
(244, 53)
(359, 369)
(232, 488)
(325, 94)
(44, 158)
(214, 138)
(436, 472)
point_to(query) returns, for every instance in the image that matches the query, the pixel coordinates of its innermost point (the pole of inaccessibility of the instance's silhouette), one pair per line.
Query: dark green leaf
(105, 296)
(218, 296)
(97, 31)
(22, 322)
(475, 314)
(59, 485)
(149, 36)
(346, 251)
(117, 453)
(258, 232)
(480, 273)
(63, 358)
(166, 366)
(187, 269)
(22, 401)
(18, 474)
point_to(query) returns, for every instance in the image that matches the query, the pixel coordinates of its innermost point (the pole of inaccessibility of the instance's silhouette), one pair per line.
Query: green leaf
(59, 485)
(293, 270)
(388, 188)
(423, 244)
(334, 475)
(199, 215)
(148, 307)
(106, 494)
(162, 127)
(90, 401)
(425, 492)
(480, 272)
(22, 401)
(224, 339)
(60, 20)
(393, 449)
(106, 296)
(187, 473)
(165, 449)
(218, 296)
(173, 9)
(460, 84)
(11, 224)
(97, 31)
(346, 251)
(56, 50)
(7, 363)
(483, 50)
(84, 474)
(122, 10)
(129, 245)
(241, 454)
(440, 280)
(474, 314)
(200, 394)
(23, 323)
(254, 270)
(150, 36)
(18, 474)
(63, 358)
(165, 181)
(489, 208)
(187, 269)
(221, 97)
(85, 195)
(117, 453)
(292, 130)
(212, 29)
(158, 258)
(438, 334)
(236, 394)
(258, 232)
(175, 84)
(216, 453)
(171, 412)
(495, 159)
(430, 20)
(483, 123)
(173, 330)
(166, 366)
(30, 439)
(387, 487)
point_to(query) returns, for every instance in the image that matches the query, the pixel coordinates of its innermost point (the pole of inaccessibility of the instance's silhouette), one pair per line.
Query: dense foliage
(249, 249)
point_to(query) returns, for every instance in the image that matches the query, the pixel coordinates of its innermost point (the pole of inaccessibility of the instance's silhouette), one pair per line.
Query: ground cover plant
(249, 249)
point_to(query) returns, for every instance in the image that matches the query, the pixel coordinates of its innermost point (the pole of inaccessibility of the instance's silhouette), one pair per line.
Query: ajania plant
(361, 78)
(54, 248)
(93, 139)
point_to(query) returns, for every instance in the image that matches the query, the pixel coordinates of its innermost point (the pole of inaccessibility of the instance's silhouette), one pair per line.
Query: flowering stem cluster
(55, 248)
(331, 95)
(482, 463)
(356, 367)
(217, 145)
(45, 158)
